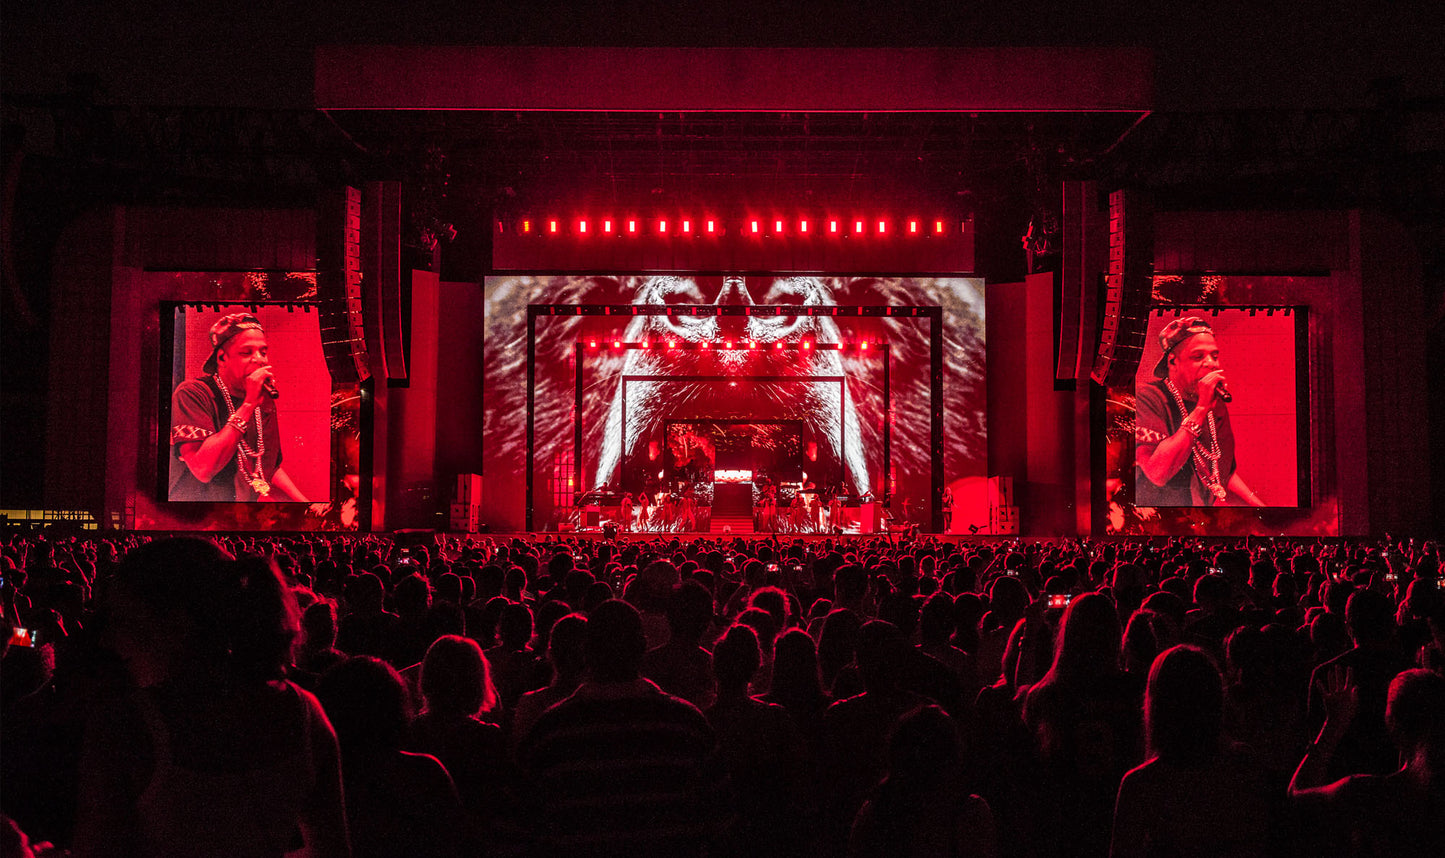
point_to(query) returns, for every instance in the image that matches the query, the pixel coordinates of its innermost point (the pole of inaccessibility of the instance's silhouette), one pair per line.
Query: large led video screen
(836, 397)
(1214, 422)
(233, 436)
(251, 432)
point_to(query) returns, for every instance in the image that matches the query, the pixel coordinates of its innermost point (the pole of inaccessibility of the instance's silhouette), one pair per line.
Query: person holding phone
(225, 438)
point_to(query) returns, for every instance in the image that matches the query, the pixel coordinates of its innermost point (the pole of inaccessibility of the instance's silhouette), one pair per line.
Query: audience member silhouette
(398, 802)
(1194, 796)
(921, 808)
(761, 752)
(456, 725)
(1398, 814)
(620, 767)
(212, 752)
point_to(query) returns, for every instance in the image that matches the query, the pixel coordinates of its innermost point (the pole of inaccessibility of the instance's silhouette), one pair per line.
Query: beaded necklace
(1206, 459)
(255, 477)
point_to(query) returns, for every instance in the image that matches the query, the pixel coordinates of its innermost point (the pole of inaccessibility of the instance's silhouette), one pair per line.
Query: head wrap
(224, 330)
(1175, 333)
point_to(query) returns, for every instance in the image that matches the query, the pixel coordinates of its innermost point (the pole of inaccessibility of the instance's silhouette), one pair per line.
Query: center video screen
(833, 398)
(249, 414)
(1217, 406)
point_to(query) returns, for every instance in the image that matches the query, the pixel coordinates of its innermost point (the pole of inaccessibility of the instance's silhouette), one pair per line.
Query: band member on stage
(624, 512)
(225, 439)
(687, 511)
(947, 509)
(665, 509)
(798, 513)
(835, 512)
(1183, 442)
(644, 509)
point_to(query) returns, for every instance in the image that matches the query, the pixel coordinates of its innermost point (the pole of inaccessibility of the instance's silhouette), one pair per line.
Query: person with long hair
(1195, 795)
(211, 751)
(1084, 717)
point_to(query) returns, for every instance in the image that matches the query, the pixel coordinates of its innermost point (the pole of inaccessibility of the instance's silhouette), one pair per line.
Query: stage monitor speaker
(338, 285)
(1128, 286)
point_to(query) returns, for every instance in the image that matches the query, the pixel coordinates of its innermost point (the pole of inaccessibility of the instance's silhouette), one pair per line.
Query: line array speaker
(338, 285)
(1127, 289)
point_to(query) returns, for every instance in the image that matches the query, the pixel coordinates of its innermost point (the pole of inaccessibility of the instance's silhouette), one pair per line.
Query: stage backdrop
(837, 396)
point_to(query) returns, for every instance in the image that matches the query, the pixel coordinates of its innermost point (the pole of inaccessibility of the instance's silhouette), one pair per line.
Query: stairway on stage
(732, 508)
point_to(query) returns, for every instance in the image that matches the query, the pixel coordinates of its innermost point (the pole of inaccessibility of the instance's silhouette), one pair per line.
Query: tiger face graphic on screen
(621, 422)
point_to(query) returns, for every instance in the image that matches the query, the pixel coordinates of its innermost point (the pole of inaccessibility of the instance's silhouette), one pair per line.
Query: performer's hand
(1208, 388)
(255, 384)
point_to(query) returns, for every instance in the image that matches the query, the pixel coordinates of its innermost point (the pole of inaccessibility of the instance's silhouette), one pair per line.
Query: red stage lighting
(607, 227)
(686, 226)
(672, 344)
(582, 227)
(938, 227)
(752, 344)
(632, 226)
(778, 345)
(617, 344)
(863, 345)
(755, 227)
(778, 227)
(591, 344)
(728, 344)
(913, 227)
(526, 226)
(807, 344)
(882, 227)
(702, 345)
(803, 226)
(662, 227)
(711, 227)
(551, 226)
(833, 226)
(857, 227)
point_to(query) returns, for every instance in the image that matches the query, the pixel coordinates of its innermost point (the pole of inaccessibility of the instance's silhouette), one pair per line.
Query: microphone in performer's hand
(269, 386)
(1219, 390)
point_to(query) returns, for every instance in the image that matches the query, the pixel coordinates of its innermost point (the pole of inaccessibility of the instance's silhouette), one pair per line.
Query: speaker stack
(338, 285)
(1127, 290)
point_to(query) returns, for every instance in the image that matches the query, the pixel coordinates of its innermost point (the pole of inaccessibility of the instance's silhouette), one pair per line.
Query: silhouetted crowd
(356, 695)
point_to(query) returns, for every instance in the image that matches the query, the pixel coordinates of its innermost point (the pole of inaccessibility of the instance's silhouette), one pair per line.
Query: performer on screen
(225, 439)
(1183, 442)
